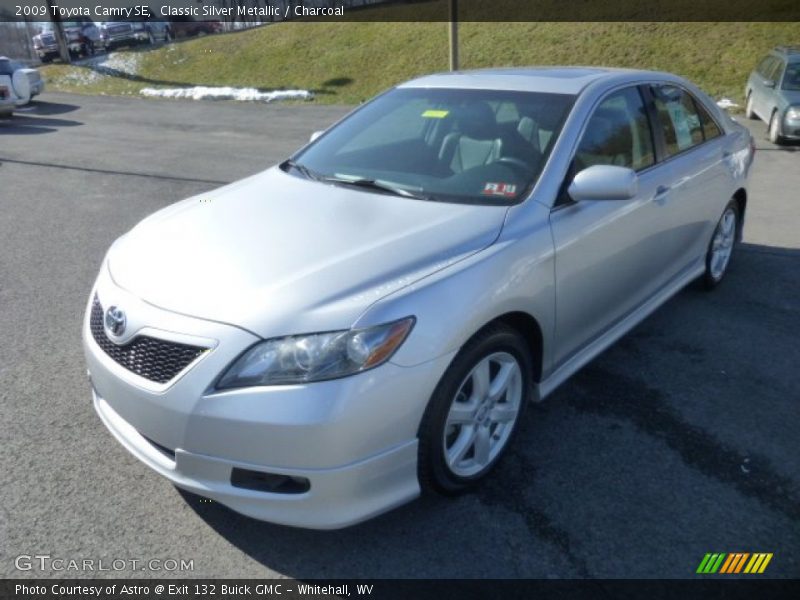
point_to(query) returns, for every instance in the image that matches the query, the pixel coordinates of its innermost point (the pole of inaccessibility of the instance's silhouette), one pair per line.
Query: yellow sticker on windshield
(435, 114)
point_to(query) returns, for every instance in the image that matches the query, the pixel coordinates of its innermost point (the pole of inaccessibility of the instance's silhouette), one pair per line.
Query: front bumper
(791, 129)
(353, 439)
(47, 51)
(121, 39)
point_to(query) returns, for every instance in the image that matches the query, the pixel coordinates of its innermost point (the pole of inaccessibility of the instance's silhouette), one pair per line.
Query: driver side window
(618, 133)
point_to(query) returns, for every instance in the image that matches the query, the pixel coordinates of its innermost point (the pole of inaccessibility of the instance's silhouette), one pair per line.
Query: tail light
(4, 93)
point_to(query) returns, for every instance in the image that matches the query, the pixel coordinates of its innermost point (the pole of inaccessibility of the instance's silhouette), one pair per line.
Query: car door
(762, 86)
(771, 96)
(694, 154)
(611, 255)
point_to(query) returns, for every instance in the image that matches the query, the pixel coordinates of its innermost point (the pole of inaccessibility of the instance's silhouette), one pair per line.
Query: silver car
(773, 94)
(322, 341)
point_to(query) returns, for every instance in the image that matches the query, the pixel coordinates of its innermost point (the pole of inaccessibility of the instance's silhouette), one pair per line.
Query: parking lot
(681, 439)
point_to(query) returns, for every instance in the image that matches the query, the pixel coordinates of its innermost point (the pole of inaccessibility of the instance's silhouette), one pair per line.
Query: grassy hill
(349, 62)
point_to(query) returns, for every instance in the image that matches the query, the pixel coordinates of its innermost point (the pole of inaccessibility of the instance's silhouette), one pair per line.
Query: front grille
(152, 358)
(116, 29)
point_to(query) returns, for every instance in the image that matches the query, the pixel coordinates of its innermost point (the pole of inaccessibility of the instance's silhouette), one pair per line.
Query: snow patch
(227, 93)
(94, 69)
(726, 103)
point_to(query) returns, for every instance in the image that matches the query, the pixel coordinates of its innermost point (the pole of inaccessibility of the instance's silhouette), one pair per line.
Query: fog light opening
(269, 482)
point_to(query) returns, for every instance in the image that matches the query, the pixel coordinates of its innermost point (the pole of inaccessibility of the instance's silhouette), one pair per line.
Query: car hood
(276, 254)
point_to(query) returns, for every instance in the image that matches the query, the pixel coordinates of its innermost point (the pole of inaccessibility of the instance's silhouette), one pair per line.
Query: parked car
(17, 85)
(83, 39)
(318, 343)
(129, 33)
(184, 26)
(7, 104)
(35, 81)
(773, 94)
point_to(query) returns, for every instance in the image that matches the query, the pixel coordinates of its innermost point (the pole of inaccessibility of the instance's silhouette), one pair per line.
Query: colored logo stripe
(758, 563)
(734, 562)
(710, 563)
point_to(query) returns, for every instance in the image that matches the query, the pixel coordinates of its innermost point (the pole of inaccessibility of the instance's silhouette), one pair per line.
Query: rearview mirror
(769, 83)
(315, 135)
(604, 182)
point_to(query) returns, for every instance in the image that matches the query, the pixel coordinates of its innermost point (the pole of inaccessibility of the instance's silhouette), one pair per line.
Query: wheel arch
(740, 196)
(530, 330)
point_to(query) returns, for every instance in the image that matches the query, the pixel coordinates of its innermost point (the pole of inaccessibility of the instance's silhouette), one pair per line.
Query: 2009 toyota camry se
(318, 343)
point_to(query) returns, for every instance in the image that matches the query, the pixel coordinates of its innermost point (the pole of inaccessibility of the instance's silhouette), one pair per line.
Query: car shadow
(36, 118)
(117, 73)
(789, 146)
(42, 107)
(561, 476)
(92, 64)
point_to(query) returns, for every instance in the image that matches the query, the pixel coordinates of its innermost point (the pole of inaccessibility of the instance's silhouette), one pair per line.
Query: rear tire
(475, 411)
(748, 111)
(774, 131)
(721, 247)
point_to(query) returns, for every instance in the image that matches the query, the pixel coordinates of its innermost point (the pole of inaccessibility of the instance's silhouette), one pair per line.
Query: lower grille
(152, 358)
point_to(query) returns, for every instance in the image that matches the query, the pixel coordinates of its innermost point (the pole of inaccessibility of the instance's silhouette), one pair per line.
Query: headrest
(477, 121)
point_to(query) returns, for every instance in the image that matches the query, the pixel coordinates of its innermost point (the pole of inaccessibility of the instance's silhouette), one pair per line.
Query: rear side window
(776, 72)
(677, 118)
(710, 127)
(766, 65)
(618, 133)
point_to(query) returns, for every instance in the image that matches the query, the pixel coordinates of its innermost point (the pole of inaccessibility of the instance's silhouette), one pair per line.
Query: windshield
(791, 81)
(452, 145)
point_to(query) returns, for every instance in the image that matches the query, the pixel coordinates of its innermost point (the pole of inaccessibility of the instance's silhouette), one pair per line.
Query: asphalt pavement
(681, 439)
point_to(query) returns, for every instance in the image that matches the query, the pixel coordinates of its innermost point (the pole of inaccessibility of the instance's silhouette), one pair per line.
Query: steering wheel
(516, 162)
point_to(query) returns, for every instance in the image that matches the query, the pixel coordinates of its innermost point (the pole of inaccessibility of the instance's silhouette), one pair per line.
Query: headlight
(316, 357)
(793, 113)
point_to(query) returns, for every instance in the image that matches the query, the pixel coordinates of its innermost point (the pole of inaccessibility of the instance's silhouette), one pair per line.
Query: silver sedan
(325, 340)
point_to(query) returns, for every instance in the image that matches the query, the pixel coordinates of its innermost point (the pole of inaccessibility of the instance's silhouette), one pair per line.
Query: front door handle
(662, 192)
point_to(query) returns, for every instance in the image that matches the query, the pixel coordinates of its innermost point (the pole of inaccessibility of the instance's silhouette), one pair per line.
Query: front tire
(774, 132)
(475, 411)
(720, 249)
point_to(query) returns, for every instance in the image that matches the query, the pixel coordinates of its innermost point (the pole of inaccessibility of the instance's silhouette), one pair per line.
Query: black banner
(401, 10)
(383, 589)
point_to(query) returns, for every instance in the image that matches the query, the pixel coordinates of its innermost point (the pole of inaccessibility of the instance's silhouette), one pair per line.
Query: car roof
(557, 80)
(791, 53)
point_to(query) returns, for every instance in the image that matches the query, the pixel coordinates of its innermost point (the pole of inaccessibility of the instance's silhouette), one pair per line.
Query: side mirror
(315, 135)
(604, 182)
(769, 83)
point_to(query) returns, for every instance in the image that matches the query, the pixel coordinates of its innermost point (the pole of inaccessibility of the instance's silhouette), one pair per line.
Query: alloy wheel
(722, 244)
(482, 414)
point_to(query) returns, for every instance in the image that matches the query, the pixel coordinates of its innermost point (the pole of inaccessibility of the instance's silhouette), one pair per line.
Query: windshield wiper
(304, 170)
(374, 184)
